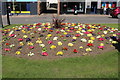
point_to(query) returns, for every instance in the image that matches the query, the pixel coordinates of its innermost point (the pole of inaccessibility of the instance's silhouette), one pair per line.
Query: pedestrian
(75, 10)
(65, 8)
(108, 11)
(101, 10)
(17, 9)
(9, 10)
(104, 10)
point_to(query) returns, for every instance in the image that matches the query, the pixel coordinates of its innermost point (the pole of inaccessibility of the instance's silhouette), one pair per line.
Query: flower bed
(74, 39)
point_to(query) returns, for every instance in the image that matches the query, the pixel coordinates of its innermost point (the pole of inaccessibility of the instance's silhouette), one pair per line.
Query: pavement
(81, 18)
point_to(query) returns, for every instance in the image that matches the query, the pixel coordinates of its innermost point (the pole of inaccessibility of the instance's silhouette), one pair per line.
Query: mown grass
(97, 66)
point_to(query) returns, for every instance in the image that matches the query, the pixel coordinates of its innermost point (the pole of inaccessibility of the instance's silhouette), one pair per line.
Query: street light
(8, 19)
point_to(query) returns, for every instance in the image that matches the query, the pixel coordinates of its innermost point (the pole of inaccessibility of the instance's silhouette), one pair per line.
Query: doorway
(94, 7)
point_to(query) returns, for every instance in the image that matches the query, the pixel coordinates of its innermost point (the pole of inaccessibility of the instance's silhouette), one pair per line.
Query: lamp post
(8, 18)
(1, 23)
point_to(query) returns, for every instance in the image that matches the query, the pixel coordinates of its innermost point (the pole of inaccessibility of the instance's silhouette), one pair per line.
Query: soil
(61, 36)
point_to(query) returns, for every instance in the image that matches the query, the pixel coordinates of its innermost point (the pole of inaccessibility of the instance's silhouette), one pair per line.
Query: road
(30, 19)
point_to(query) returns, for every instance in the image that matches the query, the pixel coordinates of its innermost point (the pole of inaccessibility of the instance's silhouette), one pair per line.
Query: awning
(72, 0)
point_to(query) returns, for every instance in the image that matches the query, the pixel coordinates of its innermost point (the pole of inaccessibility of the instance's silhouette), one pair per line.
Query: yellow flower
(89, 30)
(66, 27)
(103, 35)
(77, 31)
(88, 49)
(65, 33)
(23, 31)
(59, 43)
(92, 30)
(68, 30)
(81, 47)
(101, 44)
(114, 35)
(39, 41)
(25, 36)
(18, 52)
(114, 42)
(30, 43)
(53, 47)
(49, 26)
(74, 37)
(92, 26)
(90, 41)
(49, 35)
(70, 44)
(28, 32)
(89, 35)
(21, 43)
(59, 53)
(92, 38)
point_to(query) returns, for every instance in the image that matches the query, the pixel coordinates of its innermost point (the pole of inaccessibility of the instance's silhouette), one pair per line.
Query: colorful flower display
(71, 38)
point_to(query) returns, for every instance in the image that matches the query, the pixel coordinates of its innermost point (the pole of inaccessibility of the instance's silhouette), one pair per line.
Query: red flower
(89, 44)
(51, 30)
(100, 28)
(7, 44)
(12, 35)
(31, 47)
(63, 28)
(64, 48)
(71, 28)
(44, 54)
(77, 35)
(7, 49)
(20, 39)
(62, 36)
(88, 27)
(75, 51)
(101, 39)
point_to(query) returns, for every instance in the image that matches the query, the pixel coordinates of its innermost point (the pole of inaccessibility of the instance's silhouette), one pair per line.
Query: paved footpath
(82, 18)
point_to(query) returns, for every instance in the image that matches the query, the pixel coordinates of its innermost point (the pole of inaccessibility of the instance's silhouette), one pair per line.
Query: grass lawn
(98, 66)
(95, 66)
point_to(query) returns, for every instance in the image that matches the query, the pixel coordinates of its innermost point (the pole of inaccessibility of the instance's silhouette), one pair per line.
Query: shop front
(67, 7)
(23, 7)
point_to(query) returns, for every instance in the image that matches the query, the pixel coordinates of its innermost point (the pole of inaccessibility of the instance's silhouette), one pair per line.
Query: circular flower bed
(74, 39)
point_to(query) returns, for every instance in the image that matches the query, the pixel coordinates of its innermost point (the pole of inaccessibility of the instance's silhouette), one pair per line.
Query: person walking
(101, 10)
(9, 10)
(75, 10)
(104, 10)
(108, 11)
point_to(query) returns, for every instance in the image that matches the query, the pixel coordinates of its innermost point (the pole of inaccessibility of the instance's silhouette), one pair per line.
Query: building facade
(86, 6)
(23, 7)
(34, 7)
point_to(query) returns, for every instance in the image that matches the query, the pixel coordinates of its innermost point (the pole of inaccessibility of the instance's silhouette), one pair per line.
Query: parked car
(115, 12)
